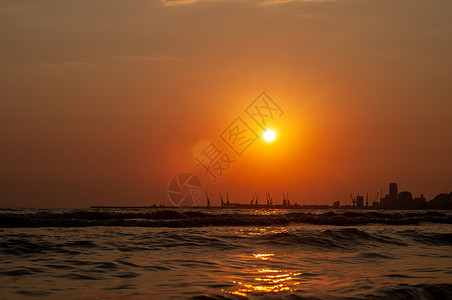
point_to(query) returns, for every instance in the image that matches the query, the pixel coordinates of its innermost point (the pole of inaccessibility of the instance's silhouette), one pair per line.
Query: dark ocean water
(225, 254)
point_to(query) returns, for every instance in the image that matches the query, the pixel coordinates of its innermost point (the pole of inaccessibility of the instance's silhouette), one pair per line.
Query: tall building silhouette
(405, 201)
(390, 201)
(402, 200)
(393, 190)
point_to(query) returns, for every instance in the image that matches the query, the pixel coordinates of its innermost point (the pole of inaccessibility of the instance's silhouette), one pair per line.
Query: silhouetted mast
(269, 198)
(353, 200)
(208, 200)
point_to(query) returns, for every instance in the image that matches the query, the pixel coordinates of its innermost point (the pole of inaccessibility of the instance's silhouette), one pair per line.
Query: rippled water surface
(269, 260)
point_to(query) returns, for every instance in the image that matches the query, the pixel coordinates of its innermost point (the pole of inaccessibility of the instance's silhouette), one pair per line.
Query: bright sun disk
(269, 135)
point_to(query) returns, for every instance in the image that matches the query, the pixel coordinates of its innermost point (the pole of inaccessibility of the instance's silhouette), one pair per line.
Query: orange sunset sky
(103, 102)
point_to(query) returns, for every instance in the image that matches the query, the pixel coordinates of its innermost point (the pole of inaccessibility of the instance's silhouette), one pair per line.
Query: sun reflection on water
(261, 231)
(266, 280)
(263, 256)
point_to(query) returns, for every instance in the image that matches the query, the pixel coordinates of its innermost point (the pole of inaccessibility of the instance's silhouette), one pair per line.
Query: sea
(213, 253)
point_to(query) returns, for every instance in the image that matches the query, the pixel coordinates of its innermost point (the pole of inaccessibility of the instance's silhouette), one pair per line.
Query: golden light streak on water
(266, 280)
(263, 256)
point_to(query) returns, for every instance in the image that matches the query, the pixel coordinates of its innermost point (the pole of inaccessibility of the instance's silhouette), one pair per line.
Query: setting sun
(269, 135)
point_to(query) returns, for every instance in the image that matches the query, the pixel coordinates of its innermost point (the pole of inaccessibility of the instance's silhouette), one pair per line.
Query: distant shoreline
(245, 206)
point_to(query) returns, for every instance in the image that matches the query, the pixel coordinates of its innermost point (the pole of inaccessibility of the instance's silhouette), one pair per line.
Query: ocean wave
(430, 238)
(333, 239)
(213, 262)
(401, 291)
(197, 218)
(421, 291)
